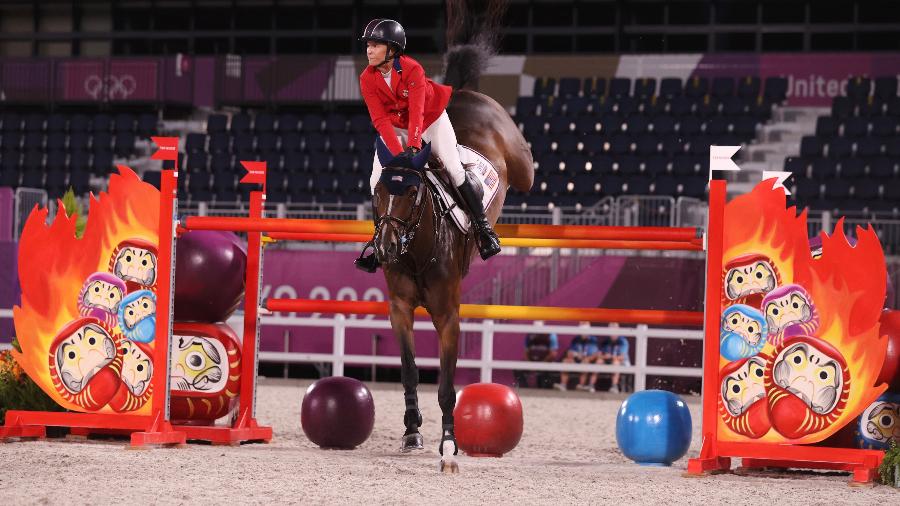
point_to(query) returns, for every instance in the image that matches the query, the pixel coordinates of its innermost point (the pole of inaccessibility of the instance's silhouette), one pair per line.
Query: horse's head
(400, 197)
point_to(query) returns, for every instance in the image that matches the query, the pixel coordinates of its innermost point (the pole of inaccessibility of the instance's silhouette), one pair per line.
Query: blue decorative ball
(653, 427)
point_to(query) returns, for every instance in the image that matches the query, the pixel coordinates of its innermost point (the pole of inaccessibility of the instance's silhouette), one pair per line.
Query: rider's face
(376, 52)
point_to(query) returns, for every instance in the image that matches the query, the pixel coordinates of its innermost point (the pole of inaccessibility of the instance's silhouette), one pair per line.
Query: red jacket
(413, 102)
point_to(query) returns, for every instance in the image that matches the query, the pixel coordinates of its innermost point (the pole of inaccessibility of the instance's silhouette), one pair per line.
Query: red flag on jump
(168, 148)
(256, 172)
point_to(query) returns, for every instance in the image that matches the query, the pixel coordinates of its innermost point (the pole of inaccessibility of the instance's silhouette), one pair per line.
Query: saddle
(480, 173)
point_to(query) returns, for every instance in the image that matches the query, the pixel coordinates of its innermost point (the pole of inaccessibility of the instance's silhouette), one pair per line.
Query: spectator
(538, 348)
(614, 350)
(582, 350)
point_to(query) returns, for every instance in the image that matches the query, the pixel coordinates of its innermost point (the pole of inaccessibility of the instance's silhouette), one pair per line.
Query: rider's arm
(416, 80)
(380, 118)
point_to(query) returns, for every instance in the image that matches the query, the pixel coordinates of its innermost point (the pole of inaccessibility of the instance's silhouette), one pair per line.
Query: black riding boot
(485, 238)
(367, 263)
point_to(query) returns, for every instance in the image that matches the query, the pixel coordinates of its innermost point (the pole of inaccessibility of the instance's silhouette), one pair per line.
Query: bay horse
(424, 256)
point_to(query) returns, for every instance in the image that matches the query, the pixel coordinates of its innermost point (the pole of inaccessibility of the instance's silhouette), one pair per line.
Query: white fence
(487, 364)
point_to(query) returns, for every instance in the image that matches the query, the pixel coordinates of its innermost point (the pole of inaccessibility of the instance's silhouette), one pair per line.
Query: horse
(424, 256)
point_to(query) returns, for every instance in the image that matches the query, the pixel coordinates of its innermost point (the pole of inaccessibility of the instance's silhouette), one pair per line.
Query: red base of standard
(701, 466)
(245, 429)
(863, 464)
(144, 430)
(231, 436)
(862, 473)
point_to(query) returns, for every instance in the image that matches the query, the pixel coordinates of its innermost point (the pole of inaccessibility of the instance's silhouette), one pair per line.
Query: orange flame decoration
(847, 284)
(53, 265)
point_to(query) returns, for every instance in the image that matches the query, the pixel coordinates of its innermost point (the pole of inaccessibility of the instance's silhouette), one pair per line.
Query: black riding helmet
(387, 31)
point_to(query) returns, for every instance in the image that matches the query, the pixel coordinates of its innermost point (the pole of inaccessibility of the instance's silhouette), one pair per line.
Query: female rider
(406, 106)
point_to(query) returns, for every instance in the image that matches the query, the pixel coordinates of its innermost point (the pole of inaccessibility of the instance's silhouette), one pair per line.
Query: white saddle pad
(475, 163)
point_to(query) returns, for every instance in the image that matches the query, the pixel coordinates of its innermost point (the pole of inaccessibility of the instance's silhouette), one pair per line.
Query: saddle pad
(476, 164)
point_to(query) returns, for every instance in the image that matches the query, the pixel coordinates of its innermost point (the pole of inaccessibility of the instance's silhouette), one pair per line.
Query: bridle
(406, 229)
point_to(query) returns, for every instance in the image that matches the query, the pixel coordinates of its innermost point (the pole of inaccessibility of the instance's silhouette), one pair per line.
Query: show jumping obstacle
(157, 428)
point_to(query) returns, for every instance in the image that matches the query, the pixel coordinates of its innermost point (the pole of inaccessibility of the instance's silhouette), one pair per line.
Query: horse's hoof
(411, 442)
(449, 465)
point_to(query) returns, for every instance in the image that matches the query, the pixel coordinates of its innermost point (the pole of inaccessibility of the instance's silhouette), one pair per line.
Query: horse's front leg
(402, 323)
(447, 325)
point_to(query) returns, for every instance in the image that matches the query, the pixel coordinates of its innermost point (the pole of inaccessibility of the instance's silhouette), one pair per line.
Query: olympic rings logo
(117, 87)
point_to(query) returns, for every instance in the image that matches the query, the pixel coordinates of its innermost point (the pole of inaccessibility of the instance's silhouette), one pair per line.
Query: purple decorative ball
(209, 275)
(338, 413)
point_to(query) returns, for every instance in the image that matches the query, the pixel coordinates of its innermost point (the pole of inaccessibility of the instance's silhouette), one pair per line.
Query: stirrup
(367, 263)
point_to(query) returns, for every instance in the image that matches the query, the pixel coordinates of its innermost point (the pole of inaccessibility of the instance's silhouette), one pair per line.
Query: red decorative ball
(890, 370)
(488, 420)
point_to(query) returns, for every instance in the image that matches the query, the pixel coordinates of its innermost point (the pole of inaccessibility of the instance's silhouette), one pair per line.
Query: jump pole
(245, 426)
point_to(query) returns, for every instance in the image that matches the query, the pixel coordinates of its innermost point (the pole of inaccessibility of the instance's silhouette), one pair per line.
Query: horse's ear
(422, 156)
(382, 152)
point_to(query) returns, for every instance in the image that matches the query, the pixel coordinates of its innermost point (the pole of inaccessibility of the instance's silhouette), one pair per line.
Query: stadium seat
(776, 89)
(594, 87)
(748, 87)
(644, 87)
(722, 87)
(569, 87)
(670, 87)
(215, 123)
(288, 122)
(619, 87)
(885, 88)
(240, 123)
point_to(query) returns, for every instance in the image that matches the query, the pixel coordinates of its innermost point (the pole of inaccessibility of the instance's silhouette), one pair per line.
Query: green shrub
(71, 205)
(889, 464)
(18, 391)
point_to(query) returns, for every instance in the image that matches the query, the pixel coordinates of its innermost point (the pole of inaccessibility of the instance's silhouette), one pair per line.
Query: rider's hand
(411, 151)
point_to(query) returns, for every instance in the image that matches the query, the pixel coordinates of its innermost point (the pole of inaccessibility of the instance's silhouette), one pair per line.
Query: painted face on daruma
(742, 332)
(138, 310)
(748, 278)
(790, 311)
(808, 385)
(81, 354)
(135, 373)
(745, 322)
(84, 362)
(137, 368)
(137, 316)
(134, 261)
(879, 424)
(100, 297)
(742, 397)
(198, 364)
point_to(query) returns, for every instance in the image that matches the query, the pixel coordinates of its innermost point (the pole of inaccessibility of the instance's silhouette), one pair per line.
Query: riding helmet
(385, 30)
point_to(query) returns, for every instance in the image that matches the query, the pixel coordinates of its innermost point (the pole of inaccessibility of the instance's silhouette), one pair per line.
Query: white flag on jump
(720, 158)
(781, 177)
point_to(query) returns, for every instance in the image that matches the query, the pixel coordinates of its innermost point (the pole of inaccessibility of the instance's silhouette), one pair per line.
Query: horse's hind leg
(402, 323)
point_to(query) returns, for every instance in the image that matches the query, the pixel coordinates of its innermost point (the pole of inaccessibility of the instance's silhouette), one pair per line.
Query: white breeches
(443, 143)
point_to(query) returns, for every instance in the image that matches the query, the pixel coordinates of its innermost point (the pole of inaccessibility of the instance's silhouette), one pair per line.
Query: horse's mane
(472, 36)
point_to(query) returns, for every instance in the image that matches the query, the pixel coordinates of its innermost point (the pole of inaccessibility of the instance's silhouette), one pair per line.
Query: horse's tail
(472, 35)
